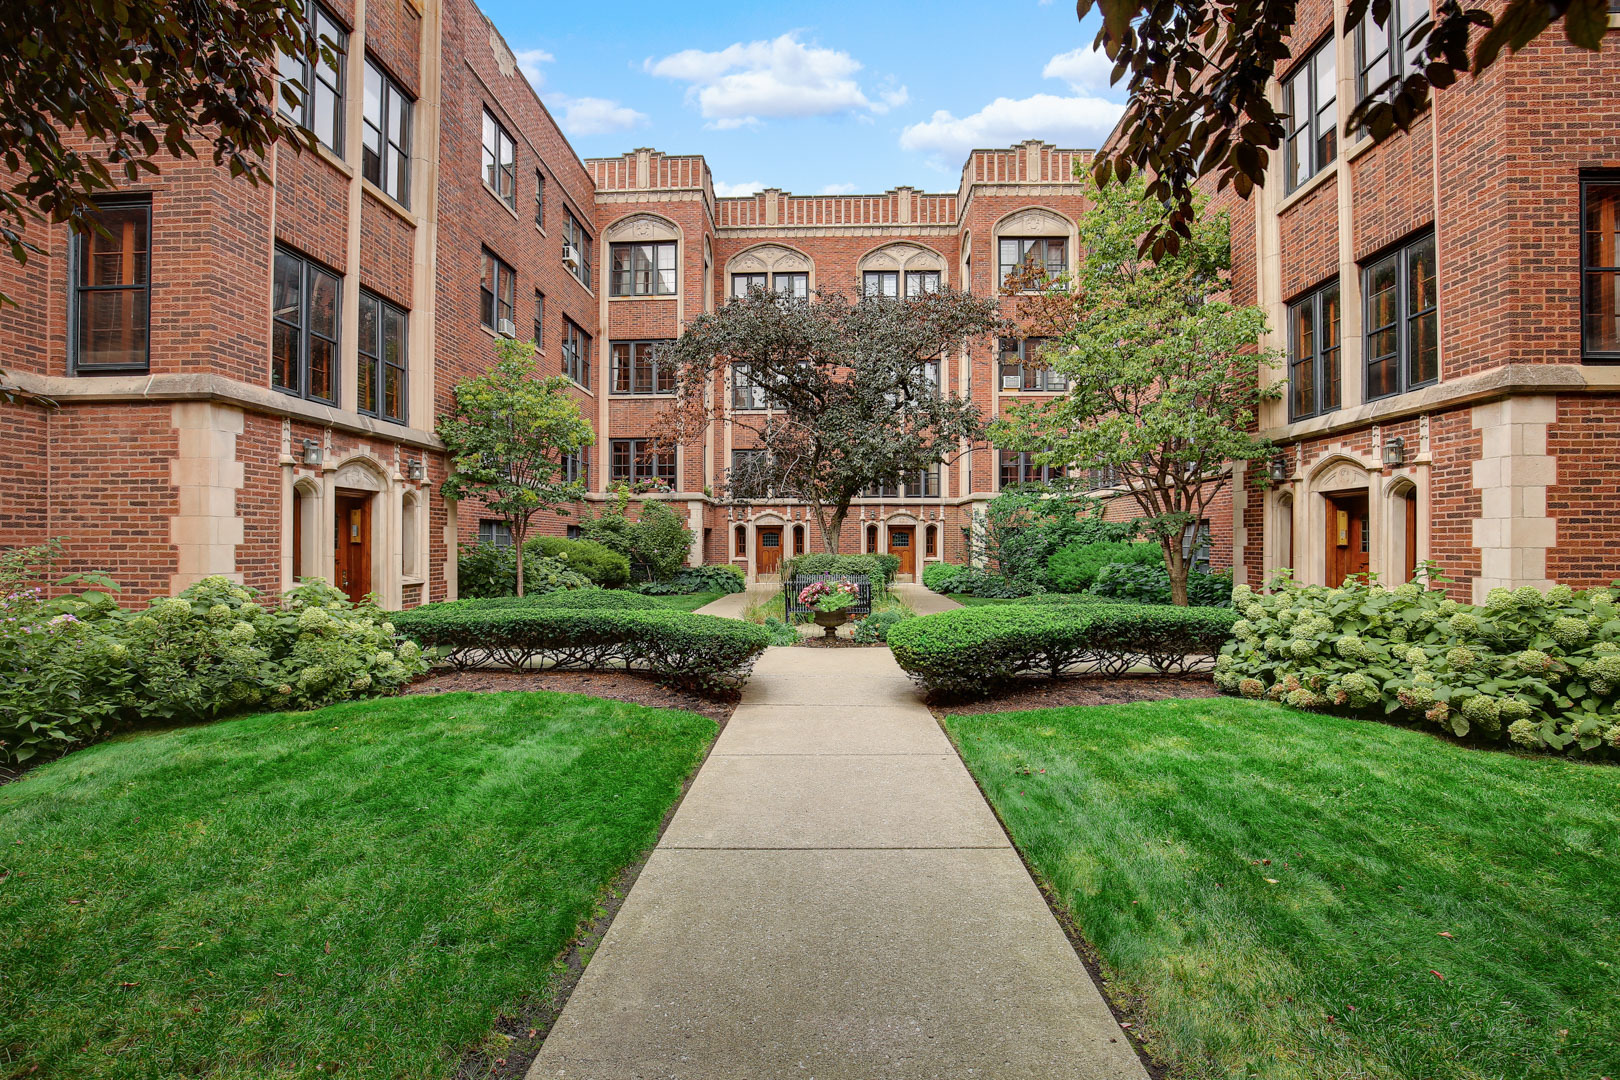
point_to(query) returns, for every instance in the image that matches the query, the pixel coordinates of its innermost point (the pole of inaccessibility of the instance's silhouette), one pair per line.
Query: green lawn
(689, 602)
(1395, 859)
(362, 888)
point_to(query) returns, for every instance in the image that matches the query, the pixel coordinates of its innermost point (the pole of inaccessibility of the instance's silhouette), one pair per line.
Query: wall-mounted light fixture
(1279, 469)
(418, 470)
(312, 452)
(1394, 451)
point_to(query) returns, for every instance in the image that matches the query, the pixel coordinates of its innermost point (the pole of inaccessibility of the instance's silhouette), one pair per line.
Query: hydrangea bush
(1539, 670)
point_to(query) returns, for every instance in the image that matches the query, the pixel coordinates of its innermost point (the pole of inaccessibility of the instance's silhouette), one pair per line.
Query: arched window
(871, 539)
(742, 542)
(409, 557)
(798, 539)
(930, 541)
(1285, 533)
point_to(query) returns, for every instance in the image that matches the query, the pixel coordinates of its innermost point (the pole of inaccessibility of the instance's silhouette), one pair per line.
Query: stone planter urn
(831, 621)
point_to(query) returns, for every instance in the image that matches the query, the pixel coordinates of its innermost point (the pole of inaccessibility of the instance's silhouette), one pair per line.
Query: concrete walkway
(834, 900)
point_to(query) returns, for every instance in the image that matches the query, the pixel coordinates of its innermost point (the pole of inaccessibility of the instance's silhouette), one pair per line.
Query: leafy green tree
(1197, 72)
(1163, 379)
(507, 439)
(849, 398)
(1025, 525)
(656, 543)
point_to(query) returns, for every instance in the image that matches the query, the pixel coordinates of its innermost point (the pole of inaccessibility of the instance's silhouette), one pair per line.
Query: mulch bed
(620, 686)
(1086, 690)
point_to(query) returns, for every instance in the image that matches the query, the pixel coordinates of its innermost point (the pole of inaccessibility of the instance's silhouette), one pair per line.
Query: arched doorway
(1349, 535)
(1403, 531)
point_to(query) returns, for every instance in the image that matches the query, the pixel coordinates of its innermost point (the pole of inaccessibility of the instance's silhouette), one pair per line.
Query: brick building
(248, 378)
(1444, 399)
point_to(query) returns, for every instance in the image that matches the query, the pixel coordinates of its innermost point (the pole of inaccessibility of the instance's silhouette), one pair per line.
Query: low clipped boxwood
(589, 598)
(974, 651)
(700, 652)
(872, 567)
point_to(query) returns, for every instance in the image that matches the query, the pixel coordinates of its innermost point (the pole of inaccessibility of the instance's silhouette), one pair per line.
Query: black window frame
(922, 277)
(576, 353)
(1399, 62)
(748, 281)
(660, 372)
(574, 235)
(497, 288)
(392, 100)
(1590, 270)
(76, 290)
(576, 466)
(491, 168)
(1401, 254)
(1307, 125)
(539, 320)
(640, 465)
(496, 532)
(1325, 361)
(643, 280)
(747, 394)
(374, 359)
(882, 277)
(304, 113)
(1033, 378)
(540, 200)
(309, 269)
(1023, 463)
(1005, 269)
(923, 484)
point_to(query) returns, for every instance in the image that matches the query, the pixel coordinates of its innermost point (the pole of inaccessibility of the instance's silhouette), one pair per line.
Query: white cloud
(1075, 121)
(837, 189)
(1086, 69)
(529, 61)
(731, 191)
(593, 115)
(742, 83)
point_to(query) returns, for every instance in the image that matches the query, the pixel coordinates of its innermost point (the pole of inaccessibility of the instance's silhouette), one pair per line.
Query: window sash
(1018, 358)
(539, 199)
(795, 286)
(305, 300)
(574, 235)
(499, 160)
(922, 484)
(633, 460)
(643, 269)
(497, 294)
(636, 369)
(1401, 317)
(746, 394)
(1049, 251)
(1314, 353)
(321, 108)
(1310, 100)
(110, 298)
(385, 135)
(884, 283)
(741, 283)
(576, 353)
(1600, 267)
(574, 466)
(383, 358)
(1390, 51)
(920, 282)
(1021, 468)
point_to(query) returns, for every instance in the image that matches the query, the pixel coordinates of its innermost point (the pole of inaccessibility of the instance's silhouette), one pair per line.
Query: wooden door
(902, 543)
(1348, 538)
(1409, 566)
(351, 546)
(768, 549)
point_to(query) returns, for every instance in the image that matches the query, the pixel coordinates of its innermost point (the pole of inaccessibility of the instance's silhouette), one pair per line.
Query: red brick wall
(1583, 499)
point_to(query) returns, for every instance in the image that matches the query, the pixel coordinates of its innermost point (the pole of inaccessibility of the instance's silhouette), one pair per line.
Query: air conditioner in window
(506, 327)
(571, 256)
(1012, 382)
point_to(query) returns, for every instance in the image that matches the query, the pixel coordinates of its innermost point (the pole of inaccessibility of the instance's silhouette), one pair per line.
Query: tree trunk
(832, 529)
(1177, 566)
(518, 532)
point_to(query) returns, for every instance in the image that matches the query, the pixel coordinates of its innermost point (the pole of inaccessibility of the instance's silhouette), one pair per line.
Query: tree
(657, 543)
(508, 437)
(94, 90)
(1163, 380)
(848, 397)
(1197, 72)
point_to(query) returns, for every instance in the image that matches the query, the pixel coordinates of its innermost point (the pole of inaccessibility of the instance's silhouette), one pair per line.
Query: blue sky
(834, 97)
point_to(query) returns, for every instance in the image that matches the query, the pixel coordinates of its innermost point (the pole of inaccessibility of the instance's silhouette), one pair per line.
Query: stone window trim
(1315, 353)
(133, 287)
(387, 115)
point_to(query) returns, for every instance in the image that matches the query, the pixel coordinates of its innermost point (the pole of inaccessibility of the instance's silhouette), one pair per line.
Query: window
(880, 283)
(382, 358)
(930, 541)
(539, 198)
(1313, 353)
(745, 392)
(923, 484)
(497, 295)
(498, 533)
(919, 282)
(1049, 253)
(1600, 268)
(741, 545)
(1312, 138)
(576, 246)
(642, 269)
(638, 461)
(574, 465)
(1197, 543)
(110, 304)
(576, 353)
(741, 283)
(1402, 324)
(500, 161)
(1023, 469)
(744, 474)
(1376, 61)
(795, 285)
(385, 135)
(637, 368)
(539, 319)
(304, 301)
(1021, 368)
(321, 107)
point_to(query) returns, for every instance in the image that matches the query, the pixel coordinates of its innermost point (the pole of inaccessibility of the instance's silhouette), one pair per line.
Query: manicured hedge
(600, 563)
(938, 576)
(697, 651)
(710, 577)
(876, 568)
(586, 599)
(974, 651)
(1150, 584)
(1076, 567)
(1541, 670)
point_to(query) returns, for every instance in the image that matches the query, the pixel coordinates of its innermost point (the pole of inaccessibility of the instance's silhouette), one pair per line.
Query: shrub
(940, 577)
(974, 651)
(1075, 568)
(721, 578)
(972, 581)
(697, 651)
(656, 544)
(601, 565)
(876, 626)
(871, 567)
(780, 633)
(888, 565)
(485, 570)
(1541, 671)
(1147, 584)
(1024, 526)
(589, 598)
